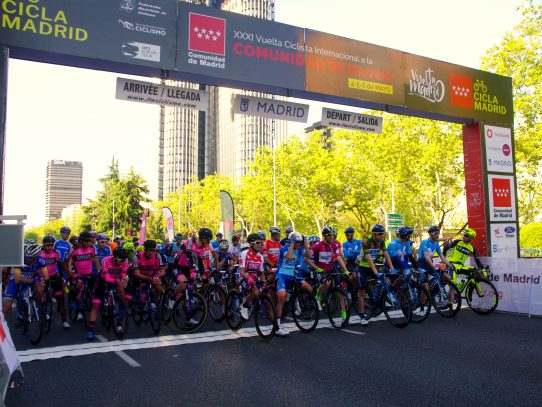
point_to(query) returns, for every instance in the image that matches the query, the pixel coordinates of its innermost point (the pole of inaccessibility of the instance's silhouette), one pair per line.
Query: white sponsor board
(518, 283)
(502, 198)
(351, 120)
(272, 108)
(499, 153)
(154, 93)
(504, 240)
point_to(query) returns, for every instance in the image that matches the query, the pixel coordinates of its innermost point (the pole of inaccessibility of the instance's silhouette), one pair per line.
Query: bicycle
(146, 307)
(80, 301)
(262, 308)
(418, 295)
(441, 295)
(335, 301)
(480, 294)
(382, 298)
(189, 311)
(303, 306)
(114, 313)
(215, 295)
(30, 311)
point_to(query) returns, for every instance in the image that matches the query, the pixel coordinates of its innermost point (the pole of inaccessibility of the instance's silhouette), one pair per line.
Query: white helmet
(297, 236)
(32, 250)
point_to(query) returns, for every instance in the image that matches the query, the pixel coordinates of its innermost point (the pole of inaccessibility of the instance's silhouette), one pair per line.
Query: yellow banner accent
(370, 86)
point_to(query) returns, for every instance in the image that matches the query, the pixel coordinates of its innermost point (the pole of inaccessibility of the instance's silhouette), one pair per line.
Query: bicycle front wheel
(216, 300)
(47, 314)
(33, 322)
(446, 299)
(482, 296)
(397, 309)
(420, 301)
(265, 317)
(189, 315)
(305, 310)
(338, 310)
(234, 302)
(121, 320)
(155, 314)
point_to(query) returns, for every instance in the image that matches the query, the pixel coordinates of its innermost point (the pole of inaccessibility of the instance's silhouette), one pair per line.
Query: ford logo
(510, 229)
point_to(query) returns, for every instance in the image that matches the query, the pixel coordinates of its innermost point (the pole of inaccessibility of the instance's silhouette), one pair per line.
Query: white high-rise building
(197, 144)
(64, 187)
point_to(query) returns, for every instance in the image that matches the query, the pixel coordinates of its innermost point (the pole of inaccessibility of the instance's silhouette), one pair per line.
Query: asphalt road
(470, 360)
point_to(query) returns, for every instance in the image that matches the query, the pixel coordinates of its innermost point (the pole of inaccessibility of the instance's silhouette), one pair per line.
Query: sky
(71, 114)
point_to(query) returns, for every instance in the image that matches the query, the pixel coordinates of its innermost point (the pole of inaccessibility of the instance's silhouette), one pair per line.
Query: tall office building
(64, 187)
(197, 144)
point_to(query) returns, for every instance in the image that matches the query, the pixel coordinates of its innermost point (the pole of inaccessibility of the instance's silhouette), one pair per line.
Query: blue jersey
(31, 271)
(224, 255)
(351, 250)
(63, 248)
(101, 254)
(399, 252)
(289, 266)
(428, 246)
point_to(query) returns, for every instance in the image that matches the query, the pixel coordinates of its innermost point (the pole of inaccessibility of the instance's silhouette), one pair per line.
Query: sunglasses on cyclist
(380, 233)
(49, 245)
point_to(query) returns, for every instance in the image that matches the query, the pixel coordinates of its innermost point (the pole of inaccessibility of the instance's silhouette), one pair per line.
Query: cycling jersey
(288, 268)
(51, 260)
(251, 261)
(201, 256)
(101, 254)
(271, 250)
(460, 252)
(82, 260)
(227, 256)
(373, 247)
(111, 272)
(325, 254)
(400, 252)
(352, 249)
(431, 247)
(26, 272)
(149, 267)
(63, 247)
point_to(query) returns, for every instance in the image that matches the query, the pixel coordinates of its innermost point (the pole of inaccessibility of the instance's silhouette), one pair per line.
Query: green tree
(530, 236)
(519, 56)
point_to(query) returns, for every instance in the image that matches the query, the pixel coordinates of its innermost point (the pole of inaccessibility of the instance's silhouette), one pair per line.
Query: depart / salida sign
(207, 45)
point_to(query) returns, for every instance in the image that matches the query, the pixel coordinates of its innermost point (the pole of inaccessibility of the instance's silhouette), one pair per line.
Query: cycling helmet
(149, 244)
(101, 236)
(73, 239)
(219, 234)
(235, 238)
(378, 228)
(84, 236)
(140, 248)
(297, 236)
(433, 229)
(159, 241)
(289, 229)
(327, 230)
(31, 250)
(159, 247)
(92, 233)
(128, 246)
(29, 241)
(205, 233)
(349, 230)
(120, 254)
(243, 246)
(49, 239)
(65, 229)
(313, 239)
(178, 236)
(405, 231)
(274, 230)
(470, 232)
(253, 237)
(261, 233)
(224, 245)
(334, 231)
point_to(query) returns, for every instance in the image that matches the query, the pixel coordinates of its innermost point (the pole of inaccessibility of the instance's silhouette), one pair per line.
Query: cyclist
(286, 240)
(51, 258)
(215, 243)
(63, 247)
(460, 252)
(103, 250)
(82, 259)
(291, 261)
(225, 256)
(402, 256)
(148, 266)
(113, 272)
(326, 252)
(372, 247)
(235, 246)
(251, 267)
(271, 248)
(22, 277)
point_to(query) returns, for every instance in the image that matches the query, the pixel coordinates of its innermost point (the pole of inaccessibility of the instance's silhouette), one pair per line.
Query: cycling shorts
(363, 272)
(57, 284)
(12, 290)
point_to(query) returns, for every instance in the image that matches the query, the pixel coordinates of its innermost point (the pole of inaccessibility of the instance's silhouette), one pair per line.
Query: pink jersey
(202, 256)
(51, 260)
(82, 260)
(251, 261)
(325, 254)
(112, 272)
(147, 267)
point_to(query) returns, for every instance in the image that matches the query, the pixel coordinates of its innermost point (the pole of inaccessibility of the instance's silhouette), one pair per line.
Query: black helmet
(327, 230)
(274, 230)
(84, 236)
(178, 236)
(149, 244)
(433, 229)
(120, 254)
(405, 231)
(349, 230)
(378, 228)
(49, 239)
(205, 233)
(253, 237)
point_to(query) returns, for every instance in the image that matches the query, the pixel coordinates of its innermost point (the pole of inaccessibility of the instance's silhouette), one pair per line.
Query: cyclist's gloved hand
(193, 275)
(250, 281)
(394, 271)
(380, 276)
(292, 238)
(346, 273)
(319, 270)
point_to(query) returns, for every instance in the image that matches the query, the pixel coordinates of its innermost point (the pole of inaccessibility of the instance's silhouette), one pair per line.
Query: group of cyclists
(91, 256)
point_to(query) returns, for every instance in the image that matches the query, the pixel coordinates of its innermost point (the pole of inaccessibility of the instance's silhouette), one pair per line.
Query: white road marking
(353, 332)
(120, 353)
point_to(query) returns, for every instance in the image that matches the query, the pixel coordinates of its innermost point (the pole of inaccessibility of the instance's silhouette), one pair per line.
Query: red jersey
(271, 250)
(251, 261)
